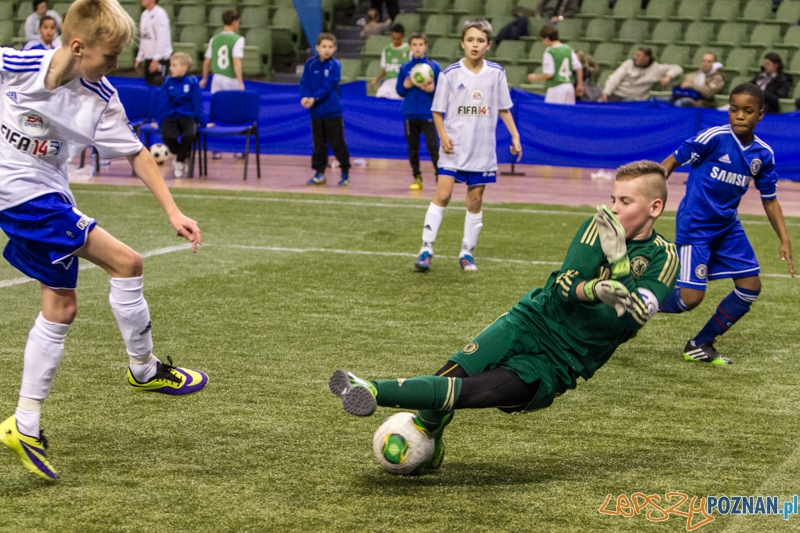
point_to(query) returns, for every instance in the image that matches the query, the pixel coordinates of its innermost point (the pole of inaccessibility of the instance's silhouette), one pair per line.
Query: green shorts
(514, 344)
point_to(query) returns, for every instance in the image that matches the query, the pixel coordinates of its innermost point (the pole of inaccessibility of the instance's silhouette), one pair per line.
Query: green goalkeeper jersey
(582, 335)
(393, 58)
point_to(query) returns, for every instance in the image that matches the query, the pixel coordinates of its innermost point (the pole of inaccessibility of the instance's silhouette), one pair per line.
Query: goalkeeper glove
(612, 240)
(610, 292)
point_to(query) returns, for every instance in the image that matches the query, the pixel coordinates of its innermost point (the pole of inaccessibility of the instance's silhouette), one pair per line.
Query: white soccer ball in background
(401, 446)
(421, 74)
(160, 152)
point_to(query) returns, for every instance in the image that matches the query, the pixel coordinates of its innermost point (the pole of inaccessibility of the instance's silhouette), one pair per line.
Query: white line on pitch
(489, 207)
(366, 252)
(87, 266)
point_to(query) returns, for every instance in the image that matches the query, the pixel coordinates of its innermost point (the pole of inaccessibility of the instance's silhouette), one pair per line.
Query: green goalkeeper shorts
(514, 344)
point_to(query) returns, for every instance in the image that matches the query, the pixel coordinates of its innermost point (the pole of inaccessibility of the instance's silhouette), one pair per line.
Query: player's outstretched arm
(775, 216)
(670, 164)
(146, 168)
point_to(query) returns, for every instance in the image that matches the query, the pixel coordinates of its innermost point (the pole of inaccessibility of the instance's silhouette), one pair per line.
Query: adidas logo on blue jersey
(461, 87)
(12, 95)
(724, 159)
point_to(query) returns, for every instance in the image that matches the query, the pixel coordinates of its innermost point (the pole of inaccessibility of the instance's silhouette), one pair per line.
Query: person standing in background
(155, 43)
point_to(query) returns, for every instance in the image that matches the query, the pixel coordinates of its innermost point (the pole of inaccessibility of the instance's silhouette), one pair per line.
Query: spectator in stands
(416, 108)
(48, 39)
(775, 83)
(374, 26)
(319, 93)
(179, 110)
(392, 6)
(558, 62)
(634, 78)
(32, 22)
(392, 57)
(556, 10)
(698, 88)
(224, 58)
(155, 43)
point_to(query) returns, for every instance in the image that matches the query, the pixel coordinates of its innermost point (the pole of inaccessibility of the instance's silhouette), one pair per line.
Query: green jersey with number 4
(222, 53)
(562, 59)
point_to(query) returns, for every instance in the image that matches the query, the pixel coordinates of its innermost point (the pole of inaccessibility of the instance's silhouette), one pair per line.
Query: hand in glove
(610, 292)
(612, 240)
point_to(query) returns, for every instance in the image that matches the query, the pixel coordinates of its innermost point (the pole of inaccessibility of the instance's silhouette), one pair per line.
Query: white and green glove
(612, 240)
(610, 292)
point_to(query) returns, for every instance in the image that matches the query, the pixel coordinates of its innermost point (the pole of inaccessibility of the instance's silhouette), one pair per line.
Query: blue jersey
(722, 169)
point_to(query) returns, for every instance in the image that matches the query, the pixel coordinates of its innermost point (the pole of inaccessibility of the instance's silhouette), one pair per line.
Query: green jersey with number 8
(222, 46)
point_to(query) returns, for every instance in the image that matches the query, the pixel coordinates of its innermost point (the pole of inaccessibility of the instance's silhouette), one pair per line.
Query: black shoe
(704, 353)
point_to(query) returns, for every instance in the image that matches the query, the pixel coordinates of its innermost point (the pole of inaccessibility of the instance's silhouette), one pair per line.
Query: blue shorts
(729, 256)
(472, 179)
(43, 233)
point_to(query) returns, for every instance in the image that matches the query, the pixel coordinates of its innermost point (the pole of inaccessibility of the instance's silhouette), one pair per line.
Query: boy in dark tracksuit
(179, 110)
(417, 107)
(319, 93)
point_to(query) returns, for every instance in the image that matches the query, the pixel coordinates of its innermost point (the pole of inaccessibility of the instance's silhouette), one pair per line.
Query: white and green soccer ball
(402, 446)
(421, 74)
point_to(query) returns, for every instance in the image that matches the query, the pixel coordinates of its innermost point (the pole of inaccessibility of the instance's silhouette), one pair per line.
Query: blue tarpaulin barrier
(588, 135)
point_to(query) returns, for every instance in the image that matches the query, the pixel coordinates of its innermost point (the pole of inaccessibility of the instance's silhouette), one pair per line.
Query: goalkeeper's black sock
(426, 392)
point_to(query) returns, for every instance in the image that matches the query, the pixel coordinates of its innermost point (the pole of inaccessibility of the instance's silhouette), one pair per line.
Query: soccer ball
(421, 74)
(401, 446)
(160, 152)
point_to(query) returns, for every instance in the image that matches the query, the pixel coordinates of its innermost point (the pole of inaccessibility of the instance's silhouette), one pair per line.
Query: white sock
(433, 219)
(133, 318)
(43, 353)
(472, 228)
(27, 415)
(143, 368)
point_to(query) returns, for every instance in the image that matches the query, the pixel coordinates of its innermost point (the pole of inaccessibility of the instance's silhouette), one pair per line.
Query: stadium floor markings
(488, 206)
(374, 253)
(87, 266)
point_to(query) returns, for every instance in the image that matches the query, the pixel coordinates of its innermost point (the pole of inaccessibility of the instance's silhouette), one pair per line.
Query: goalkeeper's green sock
(426, 392)
(435, 420)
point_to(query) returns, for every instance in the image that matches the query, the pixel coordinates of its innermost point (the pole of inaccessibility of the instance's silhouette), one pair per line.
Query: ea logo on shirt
(34, 124)
(755, 167)
(477, 97)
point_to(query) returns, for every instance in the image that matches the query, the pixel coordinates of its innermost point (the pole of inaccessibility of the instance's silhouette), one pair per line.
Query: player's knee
(692, 299)
(131, 265)
(752, 283)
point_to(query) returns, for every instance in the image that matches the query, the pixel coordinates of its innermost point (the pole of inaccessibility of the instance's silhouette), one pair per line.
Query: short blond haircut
(478, 24)
(98, 22)
(655, 183)
(182, 57)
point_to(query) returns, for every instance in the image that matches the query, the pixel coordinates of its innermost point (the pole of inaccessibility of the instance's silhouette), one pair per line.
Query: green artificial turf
(288, 288)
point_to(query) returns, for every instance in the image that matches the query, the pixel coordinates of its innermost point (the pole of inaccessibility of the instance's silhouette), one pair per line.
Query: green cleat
(30, 450)
(438, 454)
(357, 395)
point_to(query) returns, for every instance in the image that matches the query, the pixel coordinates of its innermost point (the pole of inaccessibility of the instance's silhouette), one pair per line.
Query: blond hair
(655, 183)
(98, 21)
(478, 24)
(182, 57)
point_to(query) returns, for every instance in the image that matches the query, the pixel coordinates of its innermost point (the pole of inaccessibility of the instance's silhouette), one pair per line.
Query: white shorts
(560, 94)
(388, 89)
(223, 83)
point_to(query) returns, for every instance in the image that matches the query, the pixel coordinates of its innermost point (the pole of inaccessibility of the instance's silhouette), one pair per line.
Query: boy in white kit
(55, 103)
(471, 94)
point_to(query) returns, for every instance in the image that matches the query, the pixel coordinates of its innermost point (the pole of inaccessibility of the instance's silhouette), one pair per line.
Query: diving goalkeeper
(608, 287)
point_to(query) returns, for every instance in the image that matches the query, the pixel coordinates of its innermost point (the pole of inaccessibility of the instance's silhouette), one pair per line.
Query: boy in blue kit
(180, 110)
(319, 93)
(63, 103)
(417, 101)
(712, 243)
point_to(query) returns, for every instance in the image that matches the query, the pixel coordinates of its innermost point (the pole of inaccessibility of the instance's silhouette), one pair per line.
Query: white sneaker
(177, 169)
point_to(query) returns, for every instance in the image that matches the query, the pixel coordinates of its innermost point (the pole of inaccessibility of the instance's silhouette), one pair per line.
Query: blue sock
(733, 307)
(345, 176)
(673, 303)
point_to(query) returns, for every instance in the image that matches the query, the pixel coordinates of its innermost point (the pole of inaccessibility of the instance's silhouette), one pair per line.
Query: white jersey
(155, 39)
(42, 130)
(471, 104)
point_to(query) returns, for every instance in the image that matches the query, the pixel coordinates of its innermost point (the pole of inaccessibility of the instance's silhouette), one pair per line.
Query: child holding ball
(417, 100)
